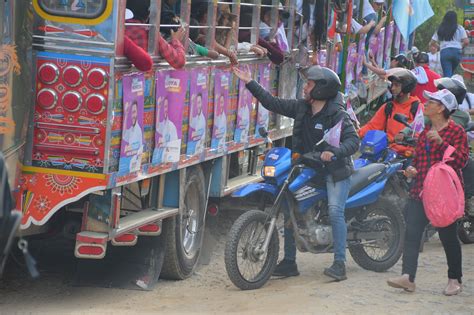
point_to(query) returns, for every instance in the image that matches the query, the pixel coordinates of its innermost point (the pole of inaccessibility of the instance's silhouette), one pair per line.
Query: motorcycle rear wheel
(466, 230)
(389, 221)
(246, 266)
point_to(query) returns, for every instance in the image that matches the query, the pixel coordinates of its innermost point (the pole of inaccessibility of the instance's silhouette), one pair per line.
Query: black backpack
(389, 109)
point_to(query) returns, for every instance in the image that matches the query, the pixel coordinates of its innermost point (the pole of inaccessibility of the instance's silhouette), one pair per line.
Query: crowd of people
(425, 81)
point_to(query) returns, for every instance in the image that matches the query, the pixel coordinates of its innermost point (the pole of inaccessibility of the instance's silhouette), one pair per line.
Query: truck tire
(184, 232)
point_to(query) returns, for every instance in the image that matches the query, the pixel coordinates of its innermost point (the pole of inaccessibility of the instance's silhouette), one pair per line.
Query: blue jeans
(450, 59)
(337, 196)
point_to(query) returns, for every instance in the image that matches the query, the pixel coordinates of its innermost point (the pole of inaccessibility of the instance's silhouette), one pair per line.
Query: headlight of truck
(269, 171)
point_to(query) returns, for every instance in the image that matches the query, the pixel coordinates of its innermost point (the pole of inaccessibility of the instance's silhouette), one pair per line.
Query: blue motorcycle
(375, 226)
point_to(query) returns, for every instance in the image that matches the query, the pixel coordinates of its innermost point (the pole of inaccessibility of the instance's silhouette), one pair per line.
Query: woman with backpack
(451, 39)
(432, 143)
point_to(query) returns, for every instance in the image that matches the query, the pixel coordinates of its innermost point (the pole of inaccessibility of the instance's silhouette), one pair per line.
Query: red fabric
(393, 127)
(173, 52)
(429, 86)
(138, 34)
(274, 52)
(139, 57)
(453, 135)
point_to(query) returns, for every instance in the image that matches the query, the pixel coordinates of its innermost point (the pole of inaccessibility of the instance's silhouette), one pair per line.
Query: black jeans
(416, 221)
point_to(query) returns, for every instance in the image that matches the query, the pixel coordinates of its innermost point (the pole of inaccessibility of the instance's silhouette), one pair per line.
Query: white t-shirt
(435, 63)
(134, 137)
(465, 105)
(168, 131)
(367, 9)
(198, 123)
(459, 35)
(220, 123)
(355, 26)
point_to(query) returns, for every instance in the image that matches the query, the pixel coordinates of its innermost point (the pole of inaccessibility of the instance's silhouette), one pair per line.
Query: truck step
(138, 219)
(240, 181)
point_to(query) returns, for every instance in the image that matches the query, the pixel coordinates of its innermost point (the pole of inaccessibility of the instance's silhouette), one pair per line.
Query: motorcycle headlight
(369, 150)
(269, 171)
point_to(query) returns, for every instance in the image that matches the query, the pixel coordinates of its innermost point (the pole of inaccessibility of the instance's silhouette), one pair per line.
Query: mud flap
(133, 268)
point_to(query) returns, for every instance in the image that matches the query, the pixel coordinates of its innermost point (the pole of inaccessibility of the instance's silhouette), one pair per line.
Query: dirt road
(210, 292)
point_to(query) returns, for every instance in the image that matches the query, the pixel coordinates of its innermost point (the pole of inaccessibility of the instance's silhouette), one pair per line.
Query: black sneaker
(337, 271)
(286, 268)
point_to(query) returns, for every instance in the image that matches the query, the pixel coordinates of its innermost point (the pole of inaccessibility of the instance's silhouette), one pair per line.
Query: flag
(418, 123)
(333, 135)
(409, 14)
(352, 114)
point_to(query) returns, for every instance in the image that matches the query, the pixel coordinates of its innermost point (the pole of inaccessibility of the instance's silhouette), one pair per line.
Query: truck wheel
(184, 232)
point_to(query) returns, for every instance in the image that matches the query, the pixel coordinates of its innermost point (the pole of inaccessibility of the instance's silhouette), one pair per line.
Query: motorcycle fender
(252, 188)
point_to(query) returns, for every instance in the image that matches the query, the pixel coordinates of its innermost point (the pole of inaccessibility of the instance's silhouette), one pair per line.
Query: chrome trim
(40, 39)
(73, 50)
(79, 71)
(101, 98)
(67, 128)
(103, 73)
(79, 98)
(55, 95)
(54, 67)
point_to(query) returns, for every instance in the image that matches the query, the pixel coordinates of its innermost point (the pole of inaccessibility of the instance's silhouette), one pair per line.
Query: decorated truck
(112, 156)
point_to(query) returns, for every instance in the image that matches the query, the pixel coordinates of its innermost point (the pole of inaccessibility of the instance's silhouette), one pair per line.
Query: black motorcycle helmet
(402, 60)
(405, 77)
(454, 86)
(327, 81)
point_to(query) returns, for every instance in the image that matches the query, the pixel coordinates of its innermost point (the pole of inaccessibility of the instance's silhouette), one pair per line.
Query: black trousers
(416, 221)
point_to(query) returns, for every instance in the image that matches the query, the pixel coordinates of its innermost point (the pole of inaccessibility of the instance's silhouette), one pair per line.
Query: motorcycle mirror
(402, 119)
(470, 127)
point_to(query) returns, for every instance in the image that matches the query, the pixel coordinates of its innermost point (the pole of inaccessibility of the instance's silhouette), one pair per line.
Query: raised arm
(280, 106)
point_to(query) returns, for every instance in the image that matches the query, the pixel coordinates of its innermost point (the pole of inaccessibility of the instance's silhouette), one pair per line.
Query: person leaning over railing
(172, 52)
(274, 53)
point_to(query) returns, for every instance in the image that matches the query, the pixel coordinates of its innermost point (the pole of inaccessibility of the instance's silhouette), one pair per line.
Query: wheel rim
(468, 228)
(190, 221)
(250, 260)
(382, 248)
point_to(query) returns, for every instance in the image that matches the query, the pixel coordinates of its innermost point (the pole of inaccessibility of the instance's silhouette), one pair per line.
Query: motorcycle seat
(364, 176)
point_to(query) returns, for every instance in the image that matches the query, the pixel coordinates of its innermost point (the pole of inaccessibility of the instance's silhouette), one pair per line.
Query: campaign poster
(198, 111)
(381, 40)
(387, 52)
(360, 56)
(171, 88)
(322, 57)
(221, 105)
(262, 113)
(244, 110)
(131, 147)
(396, 41)
(350, 65)
(373, 45)
(403, 45)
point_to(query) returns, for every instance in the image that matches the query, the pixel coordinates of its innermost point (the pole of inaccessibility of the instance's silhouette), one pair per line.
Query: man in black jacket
(321, 109)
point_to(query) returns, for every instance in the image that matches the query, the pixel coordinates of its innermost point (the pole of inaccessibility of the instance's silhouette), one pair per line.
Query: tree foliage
(426, 30)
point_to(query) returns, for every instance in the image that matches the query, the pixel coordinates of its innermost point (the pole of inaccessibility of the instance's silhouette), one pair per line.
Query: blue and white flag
(409, 14)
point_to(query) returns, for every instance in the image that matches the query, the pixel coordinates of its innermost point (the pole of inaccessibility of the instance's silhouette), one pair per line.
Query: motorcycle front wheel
(247, 266)
(379, 253)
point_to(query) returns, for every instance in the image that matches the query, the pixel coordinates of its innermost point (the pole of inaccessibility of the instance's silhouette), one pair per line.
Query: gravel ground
(210, 291)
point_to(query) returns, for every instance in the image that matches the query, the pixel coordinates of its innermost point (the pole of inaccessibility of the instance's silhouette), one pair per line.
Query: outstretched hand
(245, 76)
